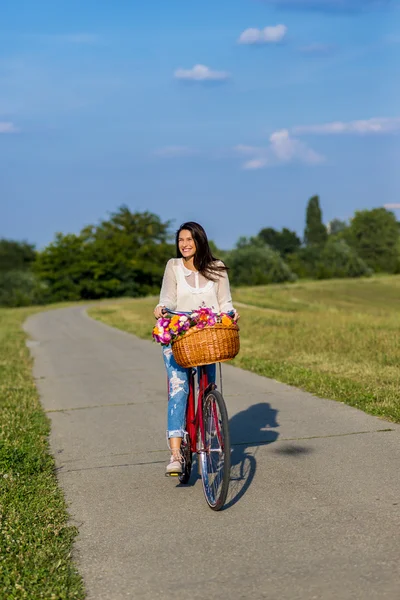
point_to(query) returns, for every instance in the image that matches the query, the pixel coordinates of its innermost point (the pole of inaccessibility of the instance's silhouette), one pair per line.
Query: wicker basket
(206, 346)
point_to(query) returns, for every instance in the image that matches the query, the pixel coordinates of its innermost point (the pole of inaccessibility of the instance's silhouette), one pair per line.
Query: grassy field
(337, 339)
(35, 538)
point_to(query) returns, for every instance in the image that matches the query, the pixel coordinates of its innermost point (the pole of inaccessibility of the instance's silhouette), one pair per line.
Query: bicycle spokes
(215, 456)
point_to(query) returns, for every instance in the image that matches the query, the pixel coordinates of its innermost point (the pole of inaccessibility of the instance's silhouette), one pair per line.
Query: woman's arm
(224, 293)
(168, 295)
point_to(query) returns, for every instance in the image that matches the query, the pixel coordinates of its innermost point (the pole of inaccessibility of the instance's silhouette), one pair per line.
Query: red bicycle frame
(194, 418)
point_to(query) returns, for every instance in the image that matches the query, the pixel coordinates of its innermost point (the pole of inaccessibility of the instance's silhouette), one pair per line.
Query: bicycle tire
(187, 460)
(216, 458)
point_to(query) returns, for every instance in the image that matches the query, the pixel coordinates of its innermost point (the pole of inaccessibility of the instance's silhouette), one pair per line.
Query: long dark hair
(204, 260)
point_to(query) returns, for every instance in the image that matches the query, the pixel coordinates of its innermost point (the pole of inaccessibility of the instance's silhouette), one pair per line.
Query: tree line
(125, 255)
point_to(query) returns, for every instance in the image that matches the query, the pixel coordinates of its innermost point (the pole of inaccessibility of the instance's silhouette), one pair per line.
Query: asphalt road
(314, 505)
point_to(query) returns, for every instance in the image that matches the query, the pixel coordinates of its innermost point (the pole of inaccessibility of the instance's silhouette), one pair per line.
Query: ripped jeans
(178, 382)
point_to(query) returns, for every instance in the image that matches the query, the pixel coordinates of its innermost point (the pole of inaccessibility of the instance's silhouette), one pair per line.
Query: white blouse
(185, 290)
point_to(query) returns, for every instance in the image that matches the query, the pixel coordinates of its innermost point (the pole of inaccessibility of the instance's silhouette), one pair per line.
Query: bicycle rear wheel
(215, 458)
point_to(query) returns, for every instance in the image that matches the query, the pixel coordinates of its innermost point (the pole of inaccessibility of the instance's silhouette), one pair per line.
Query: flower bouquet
(170, 328)
(200, 338)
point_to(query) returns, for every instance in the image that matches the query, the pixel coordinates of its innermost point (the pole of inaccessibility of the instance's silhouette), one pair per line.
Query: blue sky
(232, 113)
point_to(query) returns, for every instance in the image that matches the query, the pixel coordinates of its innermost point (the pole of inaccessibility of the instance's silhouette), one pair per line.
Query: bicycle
(207, 435)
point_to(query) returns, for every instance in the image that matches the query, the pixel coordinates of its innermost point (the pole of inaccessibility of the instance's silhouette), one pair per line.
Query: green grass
(338, 339)
(35, 538)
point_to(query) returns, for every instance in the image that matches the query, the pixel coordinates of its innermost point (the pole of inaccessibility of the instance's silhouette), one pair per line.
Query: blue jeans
(178, 387)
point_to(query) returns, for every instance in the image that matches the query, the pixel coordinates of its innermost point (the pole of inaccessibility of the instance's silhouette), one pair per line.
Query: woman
(196, 278)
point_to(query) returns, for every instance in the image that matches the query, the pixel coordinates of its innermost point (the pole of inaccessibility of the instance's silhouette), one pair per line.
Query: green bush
(336, 259)
(21, 288)
(302, 263)
(255, 263)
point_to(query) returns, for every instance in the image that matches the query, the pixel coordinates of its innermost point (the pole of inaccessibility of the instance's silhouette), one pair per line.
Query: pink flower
(166, 338)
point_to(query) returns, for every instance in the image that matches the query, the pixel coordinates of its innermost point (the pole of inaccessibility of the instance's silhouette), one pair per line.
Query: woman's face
(186, 243)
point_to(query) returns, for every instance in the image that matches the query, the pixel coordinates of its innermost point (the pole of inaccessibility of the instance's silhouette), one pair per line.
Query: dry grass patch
(337, 339)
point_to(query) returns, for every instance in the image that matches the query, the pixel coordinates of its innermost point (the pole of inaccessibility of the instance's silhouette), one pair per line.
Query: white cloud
(375, 125)
(286, 147)
(268, 35)
(282, 149)
(257, 157)
(255, 163)
(283, 145)
(200, 73)
(7, 127)
(175, 151)
(392, 206)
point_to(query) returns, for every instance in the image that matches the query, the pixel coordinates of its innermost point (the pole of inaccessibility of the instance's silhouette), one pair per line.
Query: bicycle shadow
(250, 428)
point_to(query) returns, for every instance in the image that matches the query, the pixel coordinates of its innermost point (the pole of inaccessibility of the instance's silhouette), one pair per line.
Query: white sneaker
(174, 466)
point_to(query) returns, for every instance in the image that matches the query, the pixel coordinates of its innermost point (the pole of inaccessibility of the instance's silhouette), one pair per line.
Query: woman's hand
(159, 312)
(236, 316)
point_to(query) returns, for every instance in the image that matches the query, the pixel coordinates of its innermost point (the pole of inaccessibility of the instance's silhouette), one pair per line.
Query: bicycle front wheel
(215, 457)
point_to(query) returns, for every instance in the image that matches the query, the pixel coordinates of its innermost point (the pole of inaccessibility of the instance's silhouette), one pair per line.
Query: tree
(336, 226)
(290, 242)
(285, 241)
(16, 255)
(270, 236)
(254, 263)
(122, 256)
(61, 267)
(375, 236)
(129, 252)
(315, 233)
(217, 252)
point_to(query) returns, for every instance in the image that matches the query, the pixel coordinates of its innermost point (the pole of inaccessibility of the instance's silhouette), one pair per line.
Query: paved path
(314, 509)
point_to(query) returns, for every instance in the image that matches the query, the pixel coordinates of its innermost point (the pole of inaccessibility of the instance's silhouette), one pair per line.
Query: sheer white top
(185, 290)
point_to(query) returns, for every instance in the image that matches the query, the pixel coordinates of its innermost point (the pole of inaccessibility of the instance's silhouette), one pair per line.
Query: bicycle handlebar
(174, 312)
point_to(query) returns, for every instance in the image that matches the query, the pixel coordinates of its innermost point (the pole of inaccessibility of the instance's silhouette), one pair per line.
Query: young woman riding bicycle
(195, 278)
